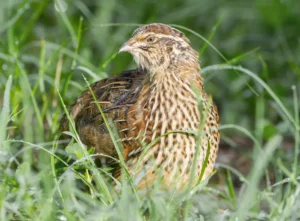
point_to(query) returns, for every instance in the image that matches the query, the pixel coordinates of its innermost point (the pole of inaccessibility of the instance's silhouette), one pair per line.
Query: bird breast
(170, 113)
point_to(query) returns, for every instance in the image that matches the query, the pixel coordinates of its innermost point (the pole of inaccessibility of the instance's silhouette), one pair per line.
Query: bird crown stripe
(159, 29)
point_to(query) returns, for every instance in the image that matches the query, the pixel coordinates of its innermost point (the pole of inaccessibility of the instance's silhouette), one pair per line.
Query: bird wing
(115, 95)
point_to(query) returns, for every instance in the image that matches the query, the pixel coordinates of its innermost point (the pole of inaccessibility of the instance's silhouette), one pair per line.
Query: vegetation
(250, 60)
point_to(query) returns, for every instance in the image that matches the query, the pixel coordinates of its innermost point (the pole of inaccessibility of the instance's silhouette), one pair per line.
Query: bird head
(158, 47)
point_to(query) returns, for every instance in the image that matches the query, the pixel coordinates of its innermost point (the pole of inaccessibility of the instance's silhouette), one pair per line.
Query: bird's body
(161, 111)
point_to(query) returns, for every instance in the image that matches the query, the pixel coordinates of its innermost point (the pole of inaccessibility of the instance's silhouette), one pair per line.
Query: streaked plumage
(156, 102)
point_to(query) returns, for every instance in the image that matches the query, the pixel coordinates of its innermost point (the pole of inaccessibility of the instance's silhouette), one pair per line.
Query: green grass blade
(211, 35)
(61, 11)
(297, 131)
(4, 116)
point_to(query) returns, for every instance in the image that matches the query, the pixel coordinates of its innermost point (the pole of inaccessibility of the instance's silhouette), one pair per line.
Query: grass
(251, 69)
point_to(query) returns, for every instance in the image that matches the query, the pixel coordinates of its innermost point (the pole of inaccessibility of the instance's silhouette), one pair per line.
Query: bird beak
(127, 47)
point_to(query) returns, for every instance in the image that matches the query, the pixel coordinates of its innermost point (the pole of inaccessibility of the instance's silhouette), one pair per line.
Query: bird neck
(177, 76)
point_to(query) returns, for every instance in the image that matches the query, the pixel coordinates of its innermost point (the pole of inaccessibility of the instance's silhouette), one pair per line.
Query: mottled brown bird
(156, 104)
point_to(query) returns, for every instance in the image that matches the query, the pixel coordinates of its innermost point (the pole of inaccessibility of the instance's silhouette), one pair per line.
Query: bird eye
(150, 39)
